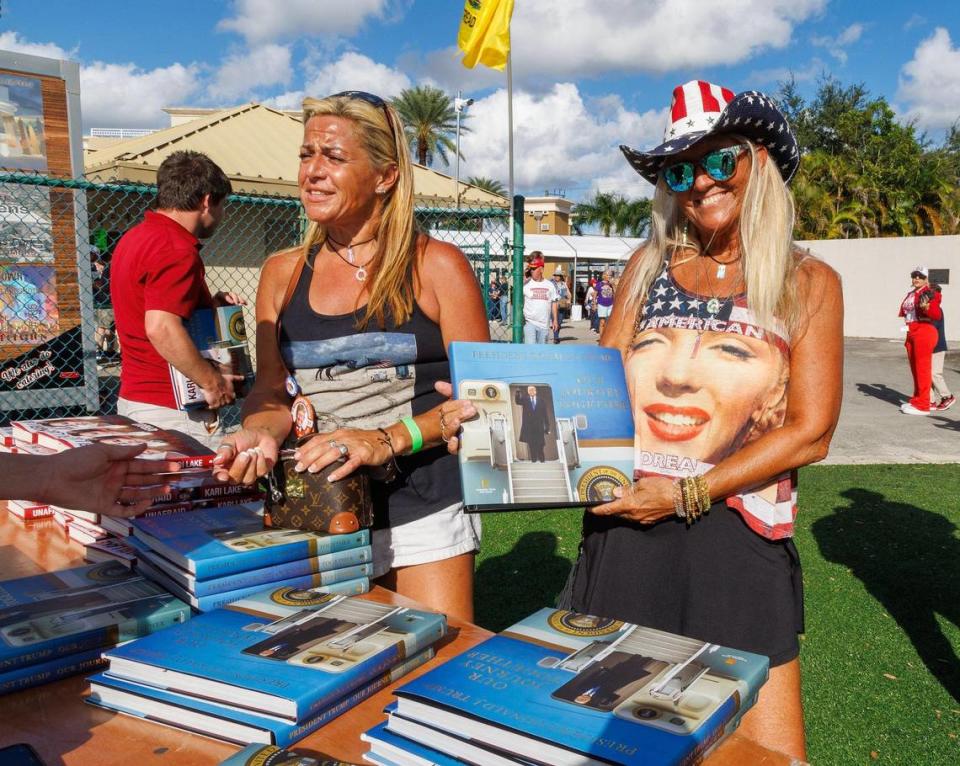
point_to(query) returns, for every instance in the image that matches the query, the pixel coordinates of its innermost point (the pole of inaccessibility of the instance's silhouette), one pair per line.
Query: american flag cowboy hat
(701, 109)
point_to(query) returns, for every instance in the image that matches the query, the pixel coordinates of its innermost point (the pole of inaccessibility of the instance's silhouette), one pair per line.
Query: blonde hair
(393, 266)
(766, 244)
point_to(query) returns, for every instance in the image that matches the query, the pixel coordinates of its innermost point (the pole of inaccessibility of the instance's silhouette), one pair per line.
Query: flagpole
(510, 136)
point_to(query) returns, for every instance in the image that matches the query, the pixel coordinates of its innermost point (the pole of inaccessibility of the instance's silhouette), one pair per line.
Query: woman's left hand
(647, 501)
(357, 447)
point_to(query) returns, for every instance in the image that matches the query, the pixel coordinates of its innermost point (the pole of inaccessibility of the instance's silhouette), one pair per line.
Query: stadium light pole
(459, 104)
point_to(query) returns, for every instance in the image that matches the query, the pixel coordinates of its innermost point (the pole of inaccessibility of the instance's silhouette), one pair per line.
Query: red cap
(536, 262)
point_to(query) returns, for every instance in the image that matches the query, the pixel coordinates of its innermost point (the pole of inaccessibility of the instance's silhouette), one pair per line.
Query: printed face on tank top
(705, 378)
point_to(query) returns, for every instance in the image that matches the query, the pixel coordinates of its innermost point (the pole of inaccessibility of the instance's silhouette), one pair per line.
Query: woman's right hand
(245, 455)
(453, 414)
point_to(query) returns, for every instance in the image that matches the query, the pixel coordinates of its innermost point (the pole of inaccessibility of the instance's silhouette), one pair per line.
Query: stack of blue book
(58, 624)
(213, 557)
(572, 690)
(269, 668)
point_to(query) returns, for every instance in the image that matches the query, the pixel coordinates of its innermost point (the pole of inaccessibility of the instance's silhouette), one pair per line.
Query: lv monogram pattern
(310, 502)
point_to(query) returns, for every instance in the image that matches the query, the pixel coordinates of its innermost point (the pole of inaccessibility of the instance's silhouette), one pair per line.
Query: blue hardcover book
(224, 721)
(286, 652)
(572, 689)
(51, 670)
(553, 430)
(51, 615)
(387, 749)
(221, 541)
(353, 587)
(220, 336)
(329, 568)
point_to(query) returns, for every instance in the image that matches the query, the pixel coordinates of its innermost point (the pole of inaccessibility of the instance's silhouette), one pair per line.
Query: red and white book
(23, 448)
(27, 509)
(84, 536)
(61, 434)
(110, 548)
(6, 436)
(123, 527)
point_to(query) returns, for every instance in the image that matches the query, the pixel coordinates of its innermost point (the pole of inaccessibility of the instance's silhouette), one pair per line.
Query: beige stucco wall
(876, 277)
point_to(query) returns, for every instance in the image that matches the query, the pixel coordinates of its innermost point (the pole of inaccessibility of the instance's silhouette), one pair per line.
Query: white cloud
(10, 41)
(836, 45)
(267, 20)
(589, 37)
(578, 152)
(242, 73)
(777, 75)
(125, 96)
(930, 82)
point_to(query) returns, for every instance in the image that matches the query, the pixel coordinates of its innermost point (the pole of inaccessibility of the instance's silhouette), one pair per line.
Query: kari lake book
(285, 652)
(553, 430)
(573, 690)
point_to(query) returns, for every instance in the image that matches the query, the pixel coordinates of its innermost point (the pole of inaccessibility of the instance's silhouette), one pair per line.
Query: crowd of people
(731, 339)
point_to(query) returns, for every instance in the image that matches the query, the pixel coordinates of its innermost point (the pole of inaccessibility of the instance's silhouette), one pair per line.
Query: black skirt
(716, 581)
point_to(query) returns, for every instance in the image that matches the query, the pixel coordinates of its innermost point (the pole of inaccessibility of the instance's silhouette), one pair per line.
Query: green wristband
(416, 438)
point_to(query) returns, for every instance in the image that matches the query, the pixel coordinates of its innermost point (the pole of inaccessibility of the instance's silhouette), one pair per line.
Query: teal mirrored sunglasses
(720, 165)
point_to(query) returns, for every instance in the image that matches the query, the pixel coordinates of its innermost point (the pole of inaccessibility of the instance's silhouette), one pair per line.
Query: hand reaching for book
(245, 456)
(102, 478)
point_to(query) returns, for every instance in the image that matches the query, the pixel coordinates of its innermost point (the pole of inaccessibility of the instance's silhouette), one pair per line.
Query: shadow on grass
(882, 392)
(909, 560)
(507, 588)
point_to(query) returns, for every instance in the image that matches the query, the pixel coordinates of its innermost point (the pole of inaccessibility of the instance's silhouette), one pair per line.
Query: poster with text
(29, 314)
(25, 226)
(22, 143)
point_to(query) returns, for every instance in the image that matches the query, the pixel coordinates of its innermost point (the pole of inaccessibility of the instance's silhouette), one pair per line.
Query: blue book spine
(299, 650)
(218, 542)
(52, 670)
(354, 587)
(331, 567)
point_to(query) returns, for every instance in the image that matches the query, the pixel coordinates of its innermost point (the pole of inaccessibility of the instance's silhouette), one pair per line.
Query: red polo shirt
(156, 266)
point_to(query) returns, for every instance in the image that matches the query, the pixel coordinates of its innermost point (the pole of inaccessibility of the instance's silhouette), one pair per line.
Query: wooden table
(64, 730)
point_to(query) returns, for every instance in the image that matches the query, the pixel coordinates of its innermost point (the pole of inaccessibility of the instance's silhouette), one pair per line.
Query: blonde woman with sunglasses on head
(732, 344)
(371, 306)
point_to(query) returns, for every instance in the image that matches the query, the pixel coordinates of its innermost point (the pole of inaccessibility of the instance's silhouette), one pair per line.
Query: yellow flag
(485, 32)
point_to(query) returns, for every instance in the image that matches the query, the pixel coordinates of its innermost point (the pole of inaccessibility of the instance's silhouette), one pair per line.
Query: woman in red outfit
(919, 309)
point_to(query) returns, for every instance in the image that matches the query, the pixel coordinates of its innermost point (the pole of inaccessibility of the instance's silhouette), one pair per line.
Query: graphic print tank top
(705, 379)
(371, 379)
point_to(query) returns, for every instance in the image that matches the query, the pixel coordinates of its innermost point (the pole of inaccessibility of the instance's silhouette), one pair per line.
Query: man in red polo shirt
(157, 281)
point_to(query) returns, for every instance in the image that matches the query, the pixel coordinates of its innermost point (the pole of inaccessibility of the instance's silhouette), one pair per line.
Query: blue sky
(588, 74)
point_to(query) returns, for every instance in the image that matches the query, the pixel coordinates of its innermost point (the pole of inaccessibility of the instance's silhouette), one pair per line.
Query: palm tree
(612, 212)
(429, 122)
(487, 184)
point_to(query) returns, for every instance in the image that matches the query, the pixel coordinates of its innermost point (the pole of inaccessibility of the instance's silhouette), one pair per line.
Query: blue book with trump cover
(553, 429)
(220, 541)
(57, 614)
(573, 689)
(285, 651)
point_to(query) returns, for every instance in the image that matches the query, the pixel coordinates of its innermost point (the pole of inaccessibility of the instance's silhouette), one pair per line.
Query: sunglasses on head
(370, 98)
(720, 165)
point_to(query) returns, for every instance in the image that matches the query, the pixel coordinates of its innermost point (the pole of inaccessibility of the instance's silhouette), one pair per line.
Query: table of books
(64, 730)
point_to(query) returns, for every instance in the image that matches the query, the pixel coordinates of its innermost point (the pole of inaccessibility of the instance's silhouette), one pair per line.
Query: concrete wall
(876, 277)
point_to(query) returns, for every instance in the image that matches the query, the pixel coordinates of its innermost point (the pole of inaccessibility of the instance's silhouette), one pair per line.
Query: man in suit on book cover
(534, 423)
(157, 281)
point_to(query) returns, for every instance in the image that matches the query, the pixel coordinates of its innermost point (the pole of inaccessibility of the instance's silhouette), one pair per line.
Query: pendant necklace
(361, 274)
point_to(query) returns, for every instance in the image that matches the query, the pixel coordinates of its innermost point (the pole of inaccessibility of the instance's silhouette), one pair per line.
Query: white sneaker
(908, 409)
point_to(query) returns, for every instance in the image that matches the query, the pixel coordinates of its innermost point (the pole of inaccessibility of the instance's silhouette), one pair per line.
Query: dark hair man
(156, 282)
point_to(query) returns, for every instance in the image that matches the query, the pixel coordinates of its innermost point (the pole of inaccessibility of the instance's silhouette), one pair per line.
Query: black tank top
(370, 379)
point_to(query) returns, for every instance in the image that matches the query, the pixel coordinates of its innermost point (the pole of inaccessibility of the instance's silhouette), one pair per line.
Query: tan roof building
(257, 148)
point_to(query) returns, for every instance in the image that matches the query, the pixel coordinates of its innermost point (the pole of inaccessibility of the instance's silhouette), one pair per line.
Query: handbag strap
(288, 295)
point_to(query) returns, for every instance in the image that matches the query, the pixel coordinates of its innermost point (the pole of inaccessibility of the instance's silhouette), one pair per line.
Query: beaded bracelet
(691, 498)
(416, 437)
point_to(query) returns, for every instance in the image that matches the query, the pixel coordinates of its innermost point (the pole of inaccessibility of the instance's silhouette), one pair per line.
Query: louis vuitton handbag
(304, 500)
(307, 501)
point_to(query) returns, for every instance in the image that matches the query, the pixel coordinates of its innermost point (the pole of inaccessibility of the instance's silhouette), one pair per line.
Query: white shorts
(604, 312)
(441, 535)
(202, 425)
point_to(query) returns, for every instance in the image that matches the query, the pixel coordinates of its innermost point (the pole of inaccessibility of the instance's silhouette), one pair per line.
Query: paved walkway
(872, 429)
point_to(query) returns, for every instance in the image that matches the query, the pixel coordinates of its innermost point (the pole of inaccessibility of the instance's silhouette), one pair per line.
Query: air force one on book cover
(554, 427)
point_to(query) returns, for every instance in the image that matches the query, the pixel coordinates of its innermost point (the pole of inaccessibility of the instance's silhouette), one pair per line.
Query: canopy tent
(557, 247)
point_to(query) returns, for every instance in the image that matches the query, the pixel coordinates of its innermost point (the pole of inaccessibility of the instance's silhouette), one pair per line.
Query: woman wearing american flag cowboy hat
(732, 343)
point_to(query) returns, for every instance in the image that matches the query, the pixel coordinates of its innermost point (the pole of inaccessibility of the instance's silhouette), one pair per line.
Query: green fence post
(486, 276)
(518, 268)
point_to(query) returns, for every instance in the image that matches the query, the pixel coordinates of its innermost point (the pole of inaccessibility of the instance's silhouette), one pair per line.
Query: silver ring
(333, 444)
(344, 450)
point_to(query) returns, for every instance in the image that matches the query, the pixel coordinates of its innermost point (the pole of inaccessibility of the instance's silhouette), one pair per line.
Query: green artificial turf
(881, 561)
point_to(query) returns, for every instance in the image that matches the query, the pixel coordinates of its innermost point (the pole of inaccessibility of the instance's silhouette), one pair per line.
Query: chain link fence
(58, 349)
